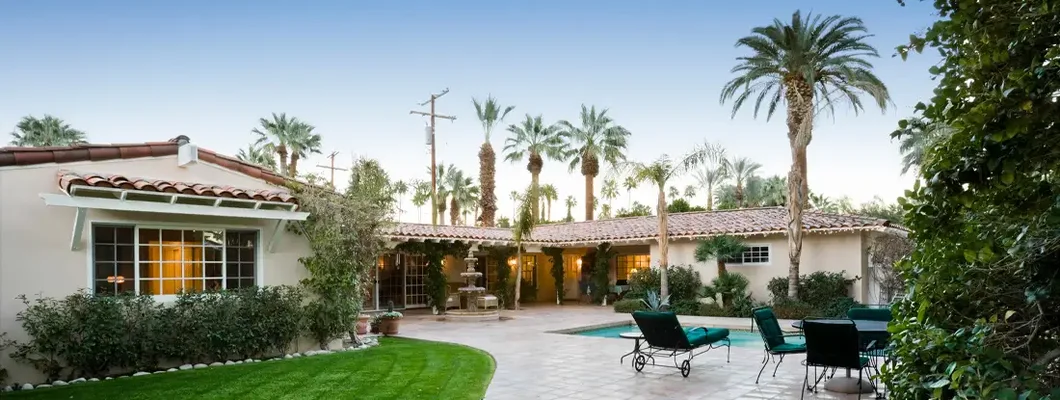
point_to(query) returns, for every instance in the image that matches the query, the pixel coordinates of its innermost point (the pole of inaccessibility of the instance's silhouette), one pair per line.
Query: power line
(430, 137)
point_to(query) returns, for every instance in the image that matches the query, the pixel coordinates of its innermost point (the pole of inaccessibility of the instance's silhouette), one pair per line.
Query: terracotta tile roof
(19, 156)
(69, 179)
(767, 220)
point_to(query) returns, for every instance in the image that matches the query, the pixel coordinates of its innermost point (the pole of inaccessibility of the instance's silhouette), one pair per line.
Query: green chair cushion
(703, 336)
(769, 327)
(788, 348)
(870, 314)
(864, 361)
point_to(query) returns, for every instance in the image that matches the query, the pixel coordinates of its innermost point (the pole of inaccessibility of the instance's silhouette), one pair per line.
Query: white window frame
(769, 250)
(259, 259)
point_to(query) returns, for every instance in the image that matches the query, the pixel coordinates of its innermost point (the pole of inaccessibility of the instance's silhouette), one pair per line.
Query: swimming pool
(739, 338)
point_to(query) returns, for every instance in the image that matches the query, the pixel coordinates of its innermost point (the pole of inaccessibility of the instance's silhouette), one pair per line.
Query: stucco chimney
(187, 153)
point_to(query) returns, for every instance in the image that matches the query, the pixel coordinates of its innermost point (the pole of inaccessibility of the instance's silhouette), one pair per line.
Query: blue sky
(146, 71)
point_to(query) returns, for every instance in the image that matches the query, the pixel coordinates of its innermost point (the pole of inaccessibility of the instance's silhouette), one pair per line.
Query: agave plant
(653, 302)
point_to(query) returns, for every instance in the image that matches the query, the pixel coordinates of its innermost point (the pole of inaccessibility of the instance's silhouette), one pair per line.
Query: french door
(415, 280)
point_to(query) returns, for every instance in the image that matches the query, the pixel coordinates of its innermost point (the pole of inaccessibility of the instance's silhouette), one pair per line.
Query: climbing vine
(556, 255)
(600, 278)
(504, 293)
(436, 284)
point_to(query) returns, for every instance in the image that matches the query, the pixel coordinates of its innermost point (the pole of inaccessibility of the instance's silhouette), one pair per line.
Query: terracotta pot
(389, 326)
(362, 324)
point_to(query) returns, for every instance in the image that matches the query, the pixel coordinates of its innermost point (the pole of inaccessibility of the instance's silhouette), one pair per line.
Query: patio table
(850, 384)
(636, 336)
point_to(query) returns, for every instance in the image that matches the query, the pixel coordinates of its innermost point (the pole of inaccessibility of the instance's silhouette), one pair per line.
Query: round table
(850, 384)
(636, 336)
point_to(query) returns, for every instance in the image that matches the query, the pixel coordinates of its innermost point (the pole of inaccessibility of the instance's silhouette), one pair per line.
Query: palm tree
(597, 138)
(571, 202)
(917, 138)
(489, 114)
(609, 192)
(275, 134)
(774, 191)
(659, 172)
(524, 226)
(258, 156)
(516, 197)
(709, 178)
(741, 169)
(674, 192)
(421, 194)
(442, 190)
(804, 64)
(532, 140)
(302, 142)
(45, 132)
(690, 192)
(461, 190)
(605, 211)
(549, 193)
(629, 184)
(401, 188)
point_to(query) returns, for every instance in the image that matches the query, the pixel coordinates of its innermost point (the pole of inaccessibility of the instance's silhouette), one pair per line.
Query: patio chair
(834, 345)
(879, 350)
(773, 337)
(665, 336)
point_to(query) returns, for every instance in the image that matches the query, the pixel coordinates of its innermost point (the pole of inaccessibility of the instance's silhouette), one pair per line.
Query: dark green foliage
(506, 293)
(721, 247)
(629, 305)
(436, 283)
(685, 307)
(556, 256)
(839, 307)
(730, 286)
(527, 291)
(680, 205)
(638, 210)
(600, 283)
(793, 309)
(979, 317)
(821, 294)
(91, 336)
(712, 310)
(643, 280)
(684, 281)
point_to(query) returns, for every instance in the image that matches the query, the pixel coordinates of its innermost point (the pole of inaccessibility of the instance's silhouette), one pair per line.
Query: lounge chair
(664, 335)
(773, 337)
(834, 344)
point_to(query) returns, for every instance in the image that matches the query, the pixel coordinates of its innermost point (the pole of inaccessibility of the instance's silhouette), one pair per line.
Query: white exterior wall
(820, 252)
(35, 255)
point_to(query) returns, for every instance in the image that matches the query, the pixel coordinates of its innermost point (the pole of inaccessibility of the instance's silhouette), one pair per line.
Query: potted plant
(374, 324)
(390, 320)
(362, 324)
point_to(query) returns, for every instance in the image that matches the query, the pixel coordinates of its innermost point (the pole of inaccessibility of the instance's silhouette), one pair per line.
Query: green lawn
(397, 369)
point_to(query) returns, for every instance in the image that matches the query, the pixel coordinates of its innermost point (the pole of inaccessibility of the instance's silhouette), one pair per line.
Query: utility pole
(434, 164)
(332, 167)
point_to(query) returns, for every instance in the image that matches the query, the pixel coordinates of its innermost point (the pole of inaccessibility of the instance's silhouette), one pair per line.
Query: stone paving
(533, 363)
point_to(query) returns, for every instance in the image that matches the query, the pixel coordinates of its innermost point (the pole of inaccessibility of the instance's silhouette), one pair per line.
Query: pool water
(738, 338)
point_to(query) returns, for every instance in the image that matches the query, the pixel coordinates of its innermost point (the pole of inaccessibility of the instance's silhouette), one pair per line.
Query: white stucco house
(157, 218)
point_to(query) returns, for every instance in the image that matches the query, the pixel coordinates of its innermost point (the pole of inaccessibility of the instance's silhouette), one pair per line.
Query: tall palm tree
(674, 192)
(516, 198)
(571, 202)
(549, 193)
(709, 178)
(690, 192)
(257, 155)
(609, 192)
(276, 135)
(45, 132)
(461, 190)
(401, 188)
(442, 190)
(303, 142)
(659, 172)
(531, 140)
(489, 114)
(805, 63)
(917, 138)
(629, 184)
(523, 227)
(421, 194)
(605, 211)
(598, 137)
(741, 169)
(774, 191)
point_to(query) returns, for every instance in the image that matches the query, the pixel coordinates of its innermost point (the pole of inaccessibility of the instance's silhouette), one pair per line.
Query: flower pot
(389, 326)
(362, 324)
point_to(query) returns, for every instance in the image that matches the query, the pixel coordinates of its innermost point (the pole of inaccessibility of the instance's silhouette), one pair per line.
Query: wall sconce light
(443, 262)
(511, 261)
(579, 263)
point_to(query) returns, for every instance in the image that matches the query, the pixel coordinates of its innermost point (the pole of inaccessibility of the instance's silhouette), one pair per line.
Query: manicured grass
(397, 369)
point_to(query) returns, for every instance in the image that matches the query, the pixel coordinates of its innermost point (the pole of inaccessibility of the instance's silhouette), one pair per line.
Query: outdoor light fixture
(511, 261)
(579, 262)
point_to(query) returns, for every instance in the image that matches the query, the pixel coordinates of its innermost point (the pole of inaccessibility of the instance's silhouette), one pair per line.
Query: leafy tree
(880, 209)
(489, 114)
(571, 202)
(301, 143)
(979, 318)
(533, 140)
(276, 135)
(659, 172)
(680, 206)
(45, 132)
(637, 210)
(918, 136)
(258, 156)
(555, 255)
(522, 230)
(598, 137)
(740, 169)
(774, 192)
(805, 64)
(504, 222)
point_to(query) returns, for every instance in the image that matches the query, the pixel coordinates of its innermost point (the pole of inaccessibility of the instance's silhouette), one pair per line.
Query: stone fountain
(470, 295)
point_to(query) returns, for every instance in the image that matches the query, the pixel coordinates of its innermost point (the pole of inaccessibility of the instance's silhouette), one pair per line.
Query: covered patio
(534, 362)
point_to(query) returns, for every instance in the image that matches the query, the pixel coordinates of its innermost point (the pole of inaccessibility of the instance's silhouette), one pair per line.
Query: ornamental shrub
(627, 306)
(684, 283)
(685, 307)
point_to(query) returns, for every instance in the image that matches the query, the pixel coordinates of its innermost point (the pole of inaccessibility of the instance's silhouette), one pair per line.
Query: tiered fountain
(470, 295)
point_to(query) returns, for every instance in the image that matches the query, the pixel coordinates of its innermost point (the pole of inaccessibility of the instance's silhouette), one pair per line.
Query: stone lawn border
(366, 342)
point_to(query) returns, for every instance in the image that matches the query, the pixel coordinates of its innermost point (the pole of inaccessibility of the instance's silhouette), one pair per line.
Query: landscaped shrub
(712, 310)
(728, 286)
(839, 307)
(87, 335)
(792, 309)
(685, 307)
(600, 281)
(627, 306)
(825, 293)
(683, 281)
(643, 280)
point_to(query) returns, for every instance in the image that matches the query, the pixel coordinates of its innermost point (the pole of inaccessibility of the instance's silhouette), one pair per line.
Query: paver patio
(533, 363)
